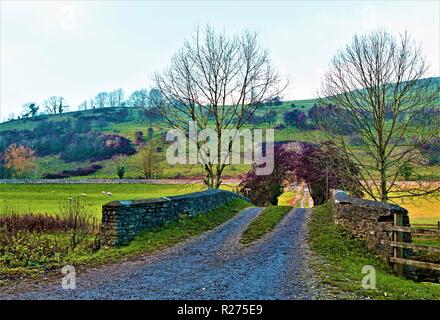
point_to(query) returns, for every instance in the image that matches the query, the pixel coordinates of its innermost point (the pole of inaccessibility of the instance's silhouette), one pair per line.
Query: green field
(40, 198)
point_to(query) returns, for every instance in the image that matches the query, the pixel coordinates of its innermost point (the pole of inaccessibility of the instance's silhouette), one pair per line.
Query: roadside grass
(146, 242)
(264, 223)
(344, 257)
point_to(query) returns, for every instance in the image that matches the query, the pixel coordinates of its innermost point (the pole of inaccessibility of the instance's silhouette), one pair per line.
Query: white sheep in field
(103, 192)
(83, 195)
(109, 194)
(70, 199)
(53, 192)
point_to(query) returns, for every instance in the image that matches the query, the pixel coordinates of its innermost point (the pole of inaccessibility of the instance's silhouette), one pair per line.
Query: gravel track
(212, 266)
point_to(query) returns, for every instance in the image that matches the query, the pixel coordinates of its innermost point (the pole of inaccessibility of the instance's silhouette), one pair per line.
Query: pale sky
(76, 49)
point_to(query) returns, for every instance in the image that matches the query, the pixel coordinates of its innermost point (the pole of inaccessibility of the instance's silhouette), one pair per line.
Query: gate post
(398, 237)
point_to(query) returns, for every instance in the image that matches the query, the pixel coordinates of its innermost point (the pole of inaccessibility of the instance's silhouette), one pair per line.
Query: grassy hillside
(123, 122)
(66, 142)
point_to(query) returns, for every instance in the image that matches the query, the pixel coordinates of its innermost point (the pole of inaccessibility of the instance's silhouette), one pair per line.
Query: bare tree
(119, 94)
(115, 98)
(218, 81)
(82, 105)
(51, 105)
(139, 99)
(55, 105)
(10, 117)
(112, 99)
(377, 82)
(149, 160)
(101, 99)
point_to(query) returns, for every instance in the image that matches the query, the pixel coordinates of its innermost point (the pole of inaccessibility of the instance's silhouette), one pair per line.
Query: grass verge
(148, 241)
(264, 223)
(345, 256)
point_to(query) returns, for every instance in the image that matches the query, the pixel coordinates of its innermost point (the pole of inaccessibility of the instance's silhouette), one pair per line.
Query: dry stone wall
(369, 220)
(123, 220)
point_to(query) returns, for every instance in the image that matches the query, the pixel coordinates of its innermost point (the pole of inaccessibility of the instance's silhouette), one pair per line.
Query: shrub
(431, 151)
(26, 249)
(97, 147)
(139, 138)
(406, 171)
(40, 240)
(78, 221)
(120, 171)
(333, 118)
(73, 215)
(13, 223)
(74, 173)
(83, 171)
(5, 173)
(290, 117)
(55, 176)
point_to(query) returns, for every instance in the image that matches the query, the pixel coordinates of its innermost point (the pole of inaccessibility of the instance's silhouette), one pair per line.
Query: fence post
(438, 228)
(398, 237)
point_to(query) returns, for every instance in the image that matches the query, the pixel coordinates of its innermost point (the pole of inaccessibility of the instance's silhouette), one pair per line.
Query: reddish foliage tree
(324, 168)
(20, 159)
(321, 167)
(265, 189)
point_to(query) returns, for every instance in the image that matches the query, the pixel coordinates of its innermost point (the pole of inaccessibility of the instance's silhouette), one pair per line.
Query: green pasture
(26, 198)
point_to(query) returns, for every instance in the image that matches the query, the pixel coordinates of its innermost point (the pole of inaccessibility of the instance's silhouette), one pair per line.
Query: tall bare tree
(216, 81)
(119, 93)
(82, 105)
(112, 99)
(138, 99)
(51, 105)
(377, 82)
(101, 99)
(55, 105)
(149, 160)
(115, 98)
